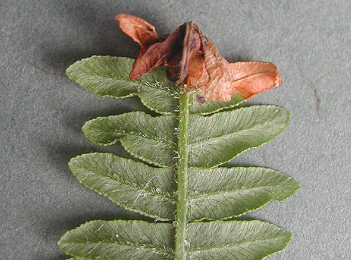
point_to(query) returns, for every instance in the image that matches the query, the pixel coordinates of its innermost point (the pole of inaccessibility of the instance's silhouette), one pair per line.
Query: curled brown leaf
(190, 57)
(138, 29)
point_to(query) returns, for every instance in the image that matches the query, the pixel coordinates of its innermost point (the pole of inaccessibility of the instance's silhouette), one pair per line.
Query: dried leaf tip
(138, 29)
(191, 58)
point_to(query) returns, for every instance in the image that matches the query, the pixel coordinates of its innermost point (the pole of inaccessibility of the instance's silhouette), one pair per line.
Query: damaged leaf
(138, 29)
(191, 58)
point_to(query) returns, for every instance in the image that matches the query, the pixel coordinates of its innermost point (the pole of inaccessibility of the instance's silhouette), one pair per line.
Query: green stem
(182, 169)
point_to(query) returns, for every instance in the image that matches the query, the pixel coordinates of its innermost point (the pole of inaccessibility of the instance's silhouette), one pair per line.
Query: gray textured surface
(42, 111)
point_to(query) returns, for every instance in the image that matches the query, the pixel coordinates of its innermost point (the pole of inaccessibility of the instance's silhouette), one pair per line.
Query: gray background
(42, 111)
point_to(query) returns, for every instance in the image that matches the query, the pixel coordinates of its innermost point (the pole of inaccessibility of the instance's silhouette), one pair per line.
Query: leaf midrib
(139, 187)
(235, 191)
(222, 246)
(131, 244)
(207, 139)
(136, 83)
(164, 141)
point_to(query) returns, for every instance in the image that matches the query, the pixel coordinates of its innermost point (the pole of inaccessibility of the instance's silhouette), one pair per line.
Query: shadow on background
(93, 23)
(59, 152)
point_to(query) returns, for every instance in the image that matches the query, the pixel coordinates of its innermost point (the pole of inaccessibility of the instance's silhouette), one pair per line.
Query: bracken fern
(178, 177)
